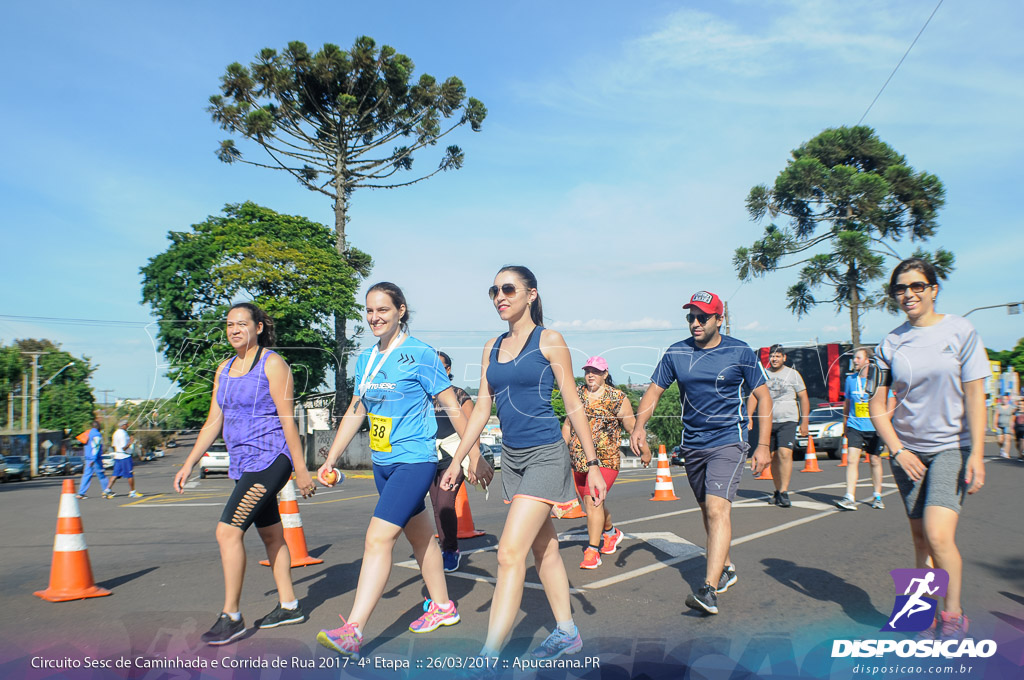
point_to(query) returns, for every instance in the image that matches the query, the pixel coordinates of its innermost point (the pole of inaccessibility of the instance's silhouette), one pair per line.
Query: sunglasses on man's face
(917, 287)
(699, 318)
(507, 289)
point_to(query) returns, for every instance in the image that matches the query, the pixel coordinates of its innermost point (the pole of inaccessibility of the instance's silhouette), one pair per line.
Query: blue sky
(620, 144)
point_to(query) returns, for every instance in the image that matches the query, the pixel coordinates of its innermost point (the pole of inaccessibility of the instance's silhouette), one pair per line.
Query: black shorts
(783, 436)
(868, 442)
(1018, 430)
(254, 499)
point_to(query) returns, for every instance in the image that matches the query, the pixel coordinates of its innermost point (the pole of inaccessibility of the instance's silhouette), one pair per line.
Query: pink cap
(596, 362)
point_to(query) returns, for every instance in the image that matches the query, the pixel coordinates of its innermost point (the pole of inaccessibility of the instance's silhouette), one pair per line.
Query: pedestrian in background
(93, 456)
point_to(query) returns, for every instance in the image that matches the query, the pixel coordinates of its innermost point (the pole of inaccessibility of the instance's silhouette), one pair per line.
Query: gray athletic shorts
(543, 473)
(942, 485)
(716, 471)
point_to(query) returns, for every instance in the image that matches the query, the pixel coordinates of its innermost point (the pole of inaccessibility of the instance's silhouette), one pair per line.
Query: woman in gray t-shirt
(937, 367)
(1004, 424)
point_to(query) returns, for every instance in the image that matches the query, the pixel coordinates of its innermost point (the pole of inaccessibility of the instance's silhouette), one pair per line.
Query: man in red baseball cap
(715, 374)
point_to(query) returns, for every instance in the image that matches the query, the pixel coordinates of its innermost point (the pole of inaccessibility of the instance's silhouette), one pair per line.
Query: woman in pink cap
(609, 412)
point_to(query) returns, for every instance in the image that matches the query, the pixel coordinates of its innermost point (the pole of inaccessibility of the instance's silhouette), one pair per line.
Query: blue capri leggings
(402, 488)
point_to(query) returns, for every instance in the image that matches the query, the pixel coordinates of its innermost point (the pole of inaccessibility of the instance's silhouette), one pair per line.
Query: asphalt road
(807, 575)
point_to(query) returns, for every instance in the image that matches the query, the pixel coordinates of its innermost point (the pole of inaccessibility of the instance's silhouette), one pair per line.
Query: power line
(900, 63)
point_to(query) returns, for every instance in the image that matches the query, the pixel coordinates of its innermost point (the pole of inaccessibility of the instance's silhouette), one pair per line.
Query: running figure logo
(915, 609)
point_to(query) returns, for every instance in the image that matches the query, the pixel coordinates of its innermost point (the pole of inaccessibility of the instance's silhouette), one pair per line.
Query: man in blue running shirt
(715, 373)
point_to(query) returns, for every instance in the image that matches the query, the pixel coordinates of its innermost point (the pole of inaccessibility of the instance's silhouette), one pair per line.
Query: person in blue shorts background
(396, 381)
(716, 375)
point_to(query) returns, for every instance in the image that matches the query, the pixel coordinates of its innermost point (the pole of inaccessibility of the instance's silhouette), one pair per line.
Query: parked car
(492, 453)
(677, 456)
(55, 466)
(3, 469)
(108, 461)
(825, 426)
(214, 460)
(18, 467)
(76, 465)
(172, 444)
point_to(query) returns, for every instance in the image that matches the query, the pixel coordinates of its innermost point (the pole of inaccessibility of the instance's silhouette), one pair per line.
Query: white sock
(849, 497)
(567, 627)
(290, 605)
(235, 616)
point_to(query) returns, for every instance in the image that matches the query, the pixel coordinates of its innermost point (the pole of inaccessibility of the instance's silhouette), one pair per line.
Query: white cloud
(752, 326)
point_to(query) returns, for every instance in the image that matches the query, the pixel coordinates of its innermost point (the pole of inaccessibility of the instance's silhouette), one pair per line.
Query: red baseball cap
(709, 303)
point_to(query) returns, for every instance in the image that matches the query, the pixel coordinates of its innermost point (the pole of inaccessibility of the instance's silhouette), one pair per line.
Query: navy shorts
(123, 468)
(715, 471)
(402, 488)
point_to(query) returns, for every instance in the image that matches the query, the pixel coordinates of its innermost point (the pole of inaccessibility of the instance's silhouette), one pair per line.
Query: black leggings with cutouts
(254, 500)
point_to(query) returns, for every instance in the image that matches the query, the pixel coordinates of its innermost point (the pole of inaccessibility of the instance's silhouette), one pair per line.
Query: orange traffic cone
(294, 536)
(663, 489)
(571, 510)
(466, 527)
(766, 473)
(846, 454)
(810, 458)
(70, 572)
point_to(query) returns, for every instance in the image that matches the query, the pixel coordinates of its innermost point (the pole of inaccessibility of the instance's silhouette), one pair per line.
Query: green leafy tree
(287, 265)
(66, 402)
(338, 121)
(848, 197)
(11, 367)
(666, 422)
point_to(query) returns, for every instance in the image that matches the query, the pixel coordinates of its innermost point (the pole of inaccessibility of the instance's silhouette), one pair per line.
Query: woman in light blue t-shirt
(397, 380)
(936, 431)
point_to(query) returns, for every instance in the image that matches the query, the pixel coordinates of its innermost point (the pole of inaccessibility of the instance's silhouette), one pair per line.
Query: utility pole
(10, 411)
(34, 439)
(727, 331)
(24, 402)
(105, 393)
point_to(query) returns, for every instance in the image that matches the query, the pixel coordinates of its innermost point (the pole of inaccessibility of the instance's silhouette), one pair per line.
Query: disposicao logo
(915, 609)
(917, 593)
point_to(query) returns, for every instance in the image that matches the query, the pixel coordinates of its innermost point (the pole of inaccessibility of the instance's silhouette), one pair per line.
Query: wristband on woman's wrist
(593, 463)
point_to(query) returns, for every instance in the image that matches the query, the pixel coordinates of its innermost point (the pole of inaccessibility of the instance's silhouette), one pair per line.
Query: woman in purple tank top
(252, 405)
(519, 370)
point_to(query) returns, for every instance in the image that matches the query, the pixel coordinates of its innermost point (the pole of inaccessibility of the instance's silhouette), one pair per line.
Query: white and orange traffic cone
(846, 455)
(663, 489)
(294, 536)
(766, 473)
(465, 516)
(70, 572)
(810, 458)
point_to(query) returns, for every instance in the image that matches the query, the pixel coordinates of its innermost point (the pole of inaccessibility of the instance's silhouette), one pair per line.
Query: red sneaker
(591, 559)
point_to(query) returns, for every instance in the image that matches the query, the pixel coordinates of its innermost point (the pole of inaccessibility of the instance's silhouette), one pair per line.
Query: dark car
(677, 456)
(17, 467)
(3, 469)
(76, 464)
(55, 465)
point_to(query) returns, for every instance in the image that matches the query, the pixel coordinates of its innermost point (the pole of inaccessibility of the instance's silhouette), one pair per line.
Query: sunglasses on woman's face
(699, 318)
(917, 287)
(507, 289)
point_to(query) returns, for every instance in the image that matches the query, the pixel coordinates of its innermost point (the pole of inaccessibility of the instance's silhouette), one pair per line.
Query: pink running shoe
(434, 617)
(344, 640)
(954, 626)
(611, 542)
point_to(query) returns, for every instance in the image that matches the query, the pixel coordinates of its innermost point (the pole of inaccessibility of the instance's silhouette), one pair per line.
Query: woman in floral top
(609, 412)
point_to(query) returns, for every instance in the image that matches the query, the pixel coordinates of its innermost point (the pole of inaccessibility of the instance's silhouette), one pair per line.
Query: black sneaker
(704, 600)
(224, 631)
(282, 617)
(783, 501)
(727, 578)
(775, 499)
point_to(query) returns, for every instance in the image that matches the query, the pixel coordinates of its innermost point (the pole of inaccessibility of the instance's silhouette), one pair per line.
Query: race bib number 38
(380, 433)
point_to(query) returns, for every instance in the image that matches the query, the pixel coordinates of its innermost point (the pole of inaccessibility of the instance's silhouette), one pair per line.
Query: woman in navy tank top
(520, 369)
(252, 405)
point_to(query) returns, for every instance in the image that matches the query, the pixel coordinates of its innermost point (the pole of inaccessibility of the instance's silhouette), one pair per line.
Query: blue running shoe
(559, 643)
